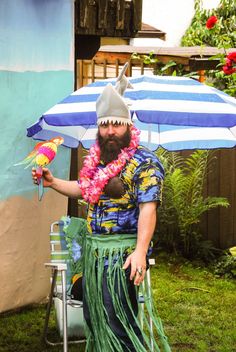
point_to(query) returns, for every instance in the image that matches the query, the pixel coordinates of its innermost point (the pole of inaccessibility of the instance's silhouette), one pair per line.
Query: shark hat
(111, 108)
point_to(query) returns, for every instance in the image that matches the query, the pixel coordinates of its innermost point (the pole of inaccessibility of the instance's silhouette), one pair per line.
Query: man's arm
(146, 226)
(67, 188)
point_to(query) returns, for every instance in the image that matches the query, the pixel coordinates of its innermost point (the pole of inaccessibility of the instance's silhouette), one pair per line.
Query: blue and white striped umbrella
(175, 113)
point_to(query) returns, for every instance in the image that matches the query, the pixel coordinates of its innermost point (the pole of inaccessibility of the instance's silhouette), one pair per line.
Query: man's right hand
(47, 177)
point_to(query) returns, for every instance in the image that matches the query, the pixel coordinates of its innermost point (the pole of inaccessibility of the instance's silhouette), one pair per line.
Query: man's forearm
(146, 226)
(67, 188)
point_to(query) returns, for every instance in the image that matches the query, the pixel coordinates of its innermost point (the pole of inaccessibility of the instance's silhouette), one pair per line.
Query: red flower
(232, 56)
(210, 23)
(228, 70)
(230, 62)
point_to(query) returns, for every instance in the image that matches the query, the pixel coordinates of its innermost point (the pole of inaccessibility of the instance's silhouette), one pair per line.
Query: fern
(183, 200)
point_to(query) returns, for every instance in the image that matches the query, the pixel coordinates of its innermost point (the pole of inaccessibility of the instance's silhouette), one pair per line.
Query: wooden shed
(95, 19)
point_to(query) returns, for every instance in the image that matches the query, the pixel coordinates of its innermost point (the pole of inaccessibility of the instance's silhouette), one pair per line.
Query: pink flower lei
(93, 179)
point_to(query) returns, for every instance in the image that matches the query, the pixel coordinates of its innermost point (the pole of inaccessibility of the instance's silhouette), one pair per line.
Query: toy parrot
(42, 155)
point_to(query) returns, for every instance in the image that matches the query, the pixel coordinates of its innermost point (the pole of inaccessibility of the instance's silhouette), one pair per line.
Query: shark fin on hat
(122, 82)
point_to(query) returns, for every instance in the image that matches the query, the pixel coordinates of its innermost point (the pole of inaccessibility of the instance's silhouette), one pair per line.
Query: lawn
(196, 307)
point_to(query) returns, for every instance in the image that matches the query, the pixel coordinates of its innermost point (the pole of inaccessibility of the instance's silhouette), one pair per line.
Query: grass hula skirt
(105, 255)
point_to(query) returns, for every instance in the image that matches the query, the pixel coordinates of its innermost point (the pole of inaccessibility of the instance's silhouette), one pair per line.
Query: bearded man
(121, 182)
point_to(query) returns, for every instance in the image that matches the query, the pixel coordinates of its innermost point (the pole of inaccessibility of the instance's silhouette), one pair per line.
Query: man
(121, 181)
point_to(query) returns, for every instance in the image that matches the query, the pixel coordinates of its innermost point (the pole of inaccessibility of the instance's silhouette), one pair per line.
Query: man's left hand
(137, 263)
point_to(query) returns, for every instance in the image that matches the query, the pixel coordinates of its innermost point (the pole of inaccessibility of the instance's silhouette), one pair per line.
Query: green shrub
(225, 266)
(183, 204)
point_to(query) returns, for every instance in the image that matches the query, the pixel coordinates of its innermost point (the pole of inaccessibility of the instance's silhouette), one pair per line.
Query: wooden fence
(218, 225)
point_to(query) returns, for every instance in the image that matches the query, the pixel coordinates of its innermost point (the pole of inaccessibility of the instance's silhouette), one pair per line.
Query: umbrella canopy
(175, 113)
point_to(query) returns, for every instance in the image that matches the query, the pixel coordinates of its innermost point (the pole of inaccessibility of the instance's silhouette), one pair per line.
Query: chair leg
(49, 306)
(64, 305)
(150, 319)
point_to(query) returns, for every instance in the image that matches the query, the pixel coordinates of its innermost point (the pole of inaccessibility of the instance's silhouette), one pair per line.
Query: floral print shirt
(142, 178)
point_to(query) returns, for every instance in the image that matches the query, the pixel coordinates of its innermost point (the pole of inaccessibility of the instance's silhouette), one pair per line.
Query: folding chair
(69, 311)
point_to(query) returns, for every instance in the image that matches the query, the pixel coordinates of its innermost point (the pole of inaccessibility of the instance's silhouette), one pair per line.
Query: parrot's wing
(31, 156)
(29, 159)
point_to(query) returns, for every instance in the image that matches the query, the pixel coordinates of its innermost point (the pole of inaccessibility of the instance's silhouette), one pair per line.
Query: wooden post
(201, 76)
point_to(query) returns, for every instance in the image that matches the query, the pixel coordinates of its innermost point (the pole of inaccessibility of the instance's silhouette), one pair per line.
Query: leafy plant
(148, 59)
(171, 68)
(225, 266)
(184, 203)
(222, 35)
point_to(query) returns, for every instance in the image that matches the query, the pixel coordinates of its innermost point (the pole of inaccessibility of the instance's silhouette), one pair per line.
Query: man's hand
(47, 177)
(137, 263)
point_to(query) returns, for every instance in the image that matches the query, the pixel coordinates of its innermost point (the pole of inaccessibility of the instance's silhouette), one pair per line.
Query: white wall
(171, 16)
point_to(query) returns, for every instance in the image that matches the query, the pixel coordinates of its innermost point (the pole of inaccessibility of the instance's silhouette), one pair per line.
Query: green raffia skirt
(100, 252)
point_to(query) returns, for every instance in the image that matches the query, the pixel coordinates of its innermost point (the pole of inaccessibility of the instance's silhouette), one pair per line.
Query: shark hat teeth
(111, 108)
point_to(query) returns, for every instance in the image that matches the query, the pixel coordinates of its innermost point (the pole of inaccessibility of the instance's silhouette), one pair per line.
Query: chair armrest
(151, 261)
(58, 266)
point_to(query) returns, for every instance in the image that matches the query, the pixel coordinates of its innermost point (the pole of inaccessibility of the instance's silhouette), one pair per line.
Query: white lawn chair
(69, 311)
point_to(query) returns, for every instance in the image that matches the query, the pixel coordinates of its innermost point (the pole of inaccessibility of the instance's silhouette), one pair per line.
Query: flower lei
(93, 179)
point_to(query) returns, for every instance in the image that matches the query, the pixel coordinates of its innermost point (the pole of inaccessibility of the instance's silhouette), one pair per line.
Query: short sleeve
(148, 181)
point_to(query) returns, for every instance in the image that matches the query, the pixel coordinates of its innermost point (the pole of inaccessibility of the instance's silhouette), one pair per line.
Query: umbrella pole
(72, 209)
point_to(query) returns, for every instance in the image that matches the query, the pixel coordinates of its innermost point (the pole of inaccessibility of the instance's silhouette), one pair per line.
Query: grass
(197, 310)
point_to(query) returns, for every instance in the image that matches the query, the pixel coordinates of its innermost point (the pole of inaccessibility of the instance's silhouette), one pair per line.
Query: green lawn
(197, 310)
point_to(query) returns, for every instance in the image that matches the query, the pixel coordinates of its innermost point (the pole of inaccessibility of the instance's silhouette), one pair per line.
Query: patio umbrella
(175, 113)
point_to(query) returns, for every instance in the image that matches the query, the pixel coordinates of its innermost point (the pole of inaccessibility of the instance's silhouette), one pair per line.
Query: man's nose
(110, 130)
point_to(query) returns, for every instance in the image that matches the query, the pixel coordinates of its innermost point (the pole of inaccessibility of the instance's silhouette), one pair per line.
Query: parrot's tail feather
(40, 190)
(30, 164)
(22, 162)
(27, 160)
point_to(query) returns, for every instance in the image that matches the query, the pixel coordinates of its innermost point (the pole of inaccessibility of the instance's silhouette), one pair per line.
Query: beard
(110, 147)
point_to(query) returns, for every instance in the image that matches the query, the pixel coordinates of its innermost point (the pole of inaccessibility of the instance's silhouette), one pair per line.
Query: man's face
(112, 137)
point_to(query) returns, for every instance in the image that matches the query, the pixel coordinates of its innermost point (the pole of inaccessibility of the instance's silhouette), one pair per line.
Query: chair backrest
(59, 251)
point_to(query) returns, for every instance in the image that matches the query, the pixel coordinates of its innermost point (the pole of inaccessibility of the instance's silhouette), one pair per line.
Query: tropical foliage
(221, 35)
(184, 203)
(216, 28)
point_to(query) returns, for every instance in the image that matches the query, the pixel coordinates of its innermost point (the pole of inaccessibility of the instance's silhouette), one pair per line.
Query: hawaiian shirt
(142, 178)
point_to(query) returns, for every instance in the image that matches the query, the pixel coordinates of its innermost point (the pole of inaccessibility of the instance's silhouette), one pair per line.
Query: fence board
(227, 189)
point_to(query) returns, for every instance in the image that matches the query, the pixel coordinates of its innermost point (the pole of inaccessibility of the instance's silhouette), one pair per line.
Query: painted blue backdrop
(36, 71)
